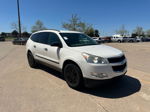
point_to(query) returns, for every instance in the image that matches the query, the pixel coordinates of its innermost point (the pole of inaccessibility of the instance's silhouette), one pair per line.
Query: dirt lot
(23, 89)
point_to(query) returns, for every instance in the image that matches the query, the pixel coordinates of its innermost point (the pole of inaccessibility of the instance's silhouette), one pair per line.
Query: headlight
(94, 59)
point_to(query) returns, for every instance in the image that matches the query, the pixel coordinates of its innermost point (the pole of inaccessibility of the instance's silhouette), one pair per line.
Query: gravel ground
(23, 89)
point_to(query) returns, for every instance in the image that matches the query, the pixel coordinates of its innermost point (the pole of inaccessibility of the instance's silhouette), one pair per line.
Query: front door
(53, 53)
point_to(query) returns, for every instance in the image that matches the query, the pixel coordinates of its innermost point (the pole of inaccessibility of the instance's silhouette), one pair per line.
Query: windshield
(77, 39)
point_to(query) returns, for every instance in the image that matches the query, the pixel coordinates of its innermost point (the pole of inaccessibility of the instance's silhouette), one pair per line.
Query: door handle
(34, 46)
(45, 49)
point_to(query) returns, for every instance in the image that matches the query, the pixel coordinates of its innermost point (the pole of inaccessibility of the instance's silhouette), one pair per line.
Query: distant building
(8, 34)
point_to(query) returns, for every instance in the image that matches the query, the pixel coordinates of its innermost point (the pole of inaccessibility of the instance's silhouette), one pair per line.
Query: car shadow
(121, 88)
(114, 89)
(51, 71)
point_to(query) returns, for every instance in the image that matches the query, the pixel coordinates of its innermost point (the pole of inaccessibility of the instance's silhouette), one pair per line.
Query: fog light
(99, 75)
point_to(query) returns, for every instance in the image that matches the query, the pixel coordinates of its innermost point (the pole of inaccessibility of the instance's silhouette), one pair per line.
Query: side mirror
(57, 44)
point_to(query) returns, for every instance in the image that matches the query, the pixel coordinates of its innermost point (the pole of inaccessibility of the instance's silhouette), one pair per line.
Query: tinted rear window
(43, 37)
(35, 37)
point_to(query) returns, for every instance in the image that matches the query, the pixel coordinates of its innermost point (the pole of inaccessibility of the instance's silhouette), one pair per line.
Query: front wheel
(119, 41)
(73, 76)
(131, 41)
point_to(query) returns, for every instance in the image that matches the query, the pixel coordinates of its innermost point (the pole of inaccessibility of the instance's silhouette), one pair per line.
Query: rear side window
(35, 37)
(43, 37)
(40, 37)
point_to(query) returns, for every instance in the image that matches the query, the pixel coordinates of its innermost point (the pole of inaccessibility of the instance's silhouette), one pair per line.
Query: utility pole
(19, 21)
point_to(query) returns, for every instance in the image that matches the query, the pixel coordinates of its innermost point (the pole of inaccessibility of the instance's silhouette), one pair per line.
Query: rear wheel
(31, 60)
(73, 76)
(131, 41)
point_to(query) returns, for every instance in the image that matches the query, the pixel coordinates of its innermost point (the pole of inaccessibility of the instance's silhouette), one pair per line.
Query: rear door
(41, 46)
(34, 43)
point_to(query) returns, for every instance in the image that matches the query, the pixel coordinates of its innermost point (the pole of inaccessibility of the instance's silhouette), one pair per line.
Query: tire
(131, 41)
(119, 41)
(73, 76)
(31, 60)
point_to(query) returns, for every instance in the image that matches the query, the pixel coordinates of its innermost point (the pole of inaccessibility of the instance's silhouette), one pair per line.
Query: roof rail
(54, 30)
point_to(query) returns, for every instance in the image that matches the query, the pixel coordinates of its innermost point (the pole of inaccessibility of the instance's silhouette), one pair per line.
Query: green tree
(122, 31)
(14, 26)
(14, 33)
(97, 34)
(25, 34)
(3, 34)
(38, 26)
(90, 32)
(139, 31)
(75, 24)
(134, 35)
(148, 33)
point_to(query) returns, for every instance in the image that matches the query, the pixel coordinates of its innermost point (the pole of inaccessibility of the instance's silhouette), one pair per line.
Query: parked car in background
(95, 38)
(138, 39)
(106, 39)
(145, 39)
(129, 39)
(98, 39)
(2, 39)
(101, 40)
(20, 41)
(117, 38)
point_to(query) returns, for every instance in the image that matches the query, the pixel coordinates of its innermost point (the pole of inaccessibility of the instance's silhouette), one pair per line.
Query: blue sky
(105, 15)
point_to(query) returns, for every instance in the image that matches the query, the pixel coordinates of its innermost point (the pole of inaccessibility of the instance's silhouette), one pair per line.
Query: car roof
(57, 31)
(63, 31)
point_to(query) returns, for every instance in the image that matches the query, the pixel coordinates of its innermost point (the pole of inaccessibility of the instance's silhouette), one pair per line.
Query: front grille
(116, 59)
(119, 68)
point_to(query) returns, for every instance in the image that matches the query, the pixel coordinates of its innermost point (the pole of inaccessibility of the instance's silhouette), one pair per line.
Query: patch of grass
(9, 38)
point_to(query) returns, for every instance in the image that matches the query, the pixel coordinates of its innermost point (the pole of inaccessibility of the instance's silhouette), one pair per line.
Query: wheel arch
(28, 51)
(69, 61)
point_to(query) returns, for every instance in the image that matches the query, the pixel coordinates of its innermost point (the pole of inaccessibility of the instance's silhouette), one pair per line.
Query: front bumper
(95, 82)
(104, 71)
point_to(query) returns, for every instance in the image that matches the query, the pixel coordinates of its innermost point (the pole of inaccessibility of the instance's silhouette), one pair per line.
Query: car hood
(99, 50)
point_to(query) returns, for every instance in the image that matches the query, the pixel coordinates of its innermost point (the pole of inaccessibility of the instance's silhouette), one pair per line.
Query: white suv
(76, 55)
